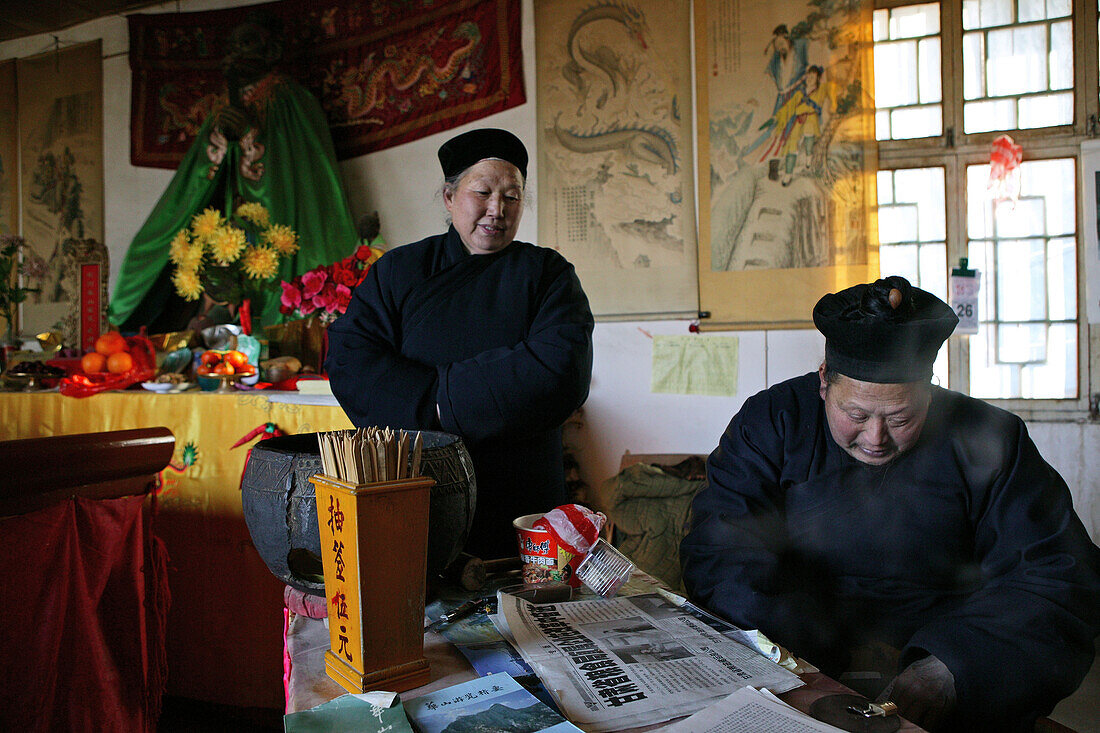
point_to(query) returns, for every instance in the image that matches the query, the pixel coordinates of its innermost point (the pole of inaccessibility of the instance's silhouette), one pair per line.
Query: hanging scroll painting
(9, 148)
(787, 157)
(615, 150)
(61, 152)
(9, 175)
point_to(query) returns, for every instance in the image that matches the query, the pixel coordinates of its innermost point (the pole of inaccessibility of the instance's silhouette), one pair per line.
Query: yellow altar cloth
(224, 631)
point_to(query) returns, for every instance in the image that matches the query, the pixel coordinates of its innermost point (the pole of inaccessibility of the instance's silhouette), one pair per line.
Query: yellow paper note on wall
(696, 364)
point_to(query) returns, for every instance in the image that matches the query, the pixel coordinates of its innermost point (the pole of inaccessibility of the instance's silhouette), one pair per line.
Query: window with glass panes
(950, 78)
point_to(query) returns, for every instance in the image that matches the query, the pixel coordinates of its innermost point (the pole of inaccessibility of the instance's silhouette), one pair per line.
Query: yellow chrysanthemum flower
(190, 258)
(187, 284)
(226, 244)
(282, 238)
(260, 263)
(204, 225)
(179, 246)
(254, 212)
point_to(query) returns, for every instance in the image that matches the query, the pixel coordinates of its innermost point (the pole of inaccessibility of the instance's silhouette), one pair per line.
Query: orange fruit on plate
(109, 343)
(237, 358)
(223, 367)
(120, 362)
(93, 362)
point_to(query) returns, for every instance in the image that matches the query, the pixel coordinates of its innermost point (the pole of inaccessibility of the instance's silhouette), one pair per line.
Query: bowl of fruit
(219, 370)
(33, 375)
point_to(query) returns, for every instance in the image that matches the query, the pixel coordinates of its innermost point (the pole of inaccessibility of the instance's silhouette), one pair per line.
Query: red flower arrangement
(325, 291)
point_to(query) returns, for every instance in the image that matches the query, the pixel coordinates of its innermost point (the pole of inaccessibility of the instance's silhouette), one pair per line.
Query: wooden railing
(36, 472)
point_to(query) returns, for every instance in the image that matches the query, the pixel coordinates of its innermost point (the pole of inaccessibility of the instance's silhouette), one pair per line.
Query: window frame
(953, 150)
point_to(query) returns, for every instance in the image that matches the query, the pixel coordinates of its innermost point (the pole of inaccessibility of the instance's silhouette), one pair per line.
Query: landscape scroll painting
(615, 172)
(61, 153)
(9, 148)
(787, 157)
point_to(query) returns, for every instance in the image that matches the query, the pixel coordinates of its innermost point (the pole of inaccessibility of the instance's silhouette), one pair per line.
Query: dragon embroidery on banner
(365, 88)
(183, 122)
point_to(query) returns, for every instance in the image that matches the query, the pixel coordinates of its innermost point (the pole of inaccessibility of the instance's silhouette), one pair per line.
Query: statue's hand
(233, 121)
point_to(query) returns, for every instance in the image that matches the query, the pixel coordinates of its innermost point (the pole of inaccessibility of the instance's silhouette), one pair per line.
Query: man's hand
(924, 692)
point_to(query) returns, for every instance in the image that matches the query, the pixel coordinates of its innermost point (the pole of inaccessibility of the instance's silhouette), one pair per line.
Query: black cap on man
(885, 332)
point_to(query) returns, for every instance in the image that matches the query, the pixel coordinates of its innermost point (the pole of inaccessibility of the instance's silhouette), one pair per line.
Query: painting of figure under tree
(787, 142)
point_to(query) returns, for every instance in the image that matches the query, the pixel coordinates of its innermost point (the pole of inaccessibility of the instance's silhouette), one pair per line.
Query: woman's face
(486, 205)
(874, 423)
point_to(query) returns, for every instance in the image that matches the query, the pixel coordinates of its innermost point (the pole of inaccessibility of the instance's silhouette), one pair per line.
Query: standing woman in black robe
(473, 333)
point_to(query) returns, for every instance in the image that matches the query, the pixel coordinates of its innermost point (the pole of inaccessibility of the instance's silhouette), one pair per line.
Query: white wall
(401, 183)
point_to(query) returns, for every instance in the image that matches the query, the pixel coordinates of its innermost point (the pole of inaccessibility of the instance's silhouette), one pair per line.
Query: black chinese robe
(501, 343)
(966, 547)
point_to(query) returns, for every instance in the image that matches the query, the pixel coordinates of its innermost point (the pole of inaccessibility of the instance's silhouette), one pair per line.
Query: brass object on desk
(50, 341)
(173, 340)
(374, 540)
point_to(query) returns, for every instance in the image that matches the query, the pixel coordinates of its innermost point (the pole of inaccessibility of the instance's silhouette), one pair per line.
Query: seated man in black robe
(475, 334)
(861, 514)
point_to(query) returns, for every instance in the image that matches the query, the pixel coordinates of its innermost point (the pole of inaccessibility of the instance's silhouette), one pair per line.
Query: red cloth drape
(82, 633)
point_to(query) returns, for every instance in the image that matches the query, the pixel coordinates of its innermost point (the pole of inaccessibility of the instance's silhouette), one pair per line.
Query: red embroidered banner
(91, 305)
(385, 73)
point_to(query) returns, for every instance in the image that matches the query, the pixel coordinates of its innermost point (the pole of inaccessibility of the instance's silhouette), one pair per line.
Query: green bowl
(209, 384)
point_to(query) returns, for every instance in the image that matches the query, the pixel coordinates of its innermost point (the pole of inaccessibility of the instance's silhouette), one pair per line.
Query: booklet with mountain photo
(492, 703)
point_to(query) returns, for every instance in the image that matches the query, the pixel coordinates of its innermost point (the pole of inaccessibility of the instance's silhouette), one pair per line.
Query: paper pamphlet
(371, 712)
(495, 702)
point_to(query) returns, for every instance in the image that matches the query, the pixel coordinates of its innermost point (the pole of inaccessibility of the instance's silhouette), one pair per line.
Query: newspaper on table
(750, 711)
(614, 663)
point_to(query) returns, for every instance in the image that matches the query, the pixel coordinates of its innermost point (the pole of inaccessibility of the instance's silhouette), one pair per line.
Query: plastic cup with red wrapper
(554, 545)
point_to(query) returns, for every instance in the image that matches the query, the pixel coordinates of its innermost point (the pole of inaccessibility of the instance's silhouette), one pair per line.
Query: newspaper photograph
(614, 663)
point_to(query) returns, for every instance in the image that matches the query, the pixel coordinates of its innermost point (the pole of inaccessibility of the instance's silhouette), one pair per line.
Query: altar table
(224, 625)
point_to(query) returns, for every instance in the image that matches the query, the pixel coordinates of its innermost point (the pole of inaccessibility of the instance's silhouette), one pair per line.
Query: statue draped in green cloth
(270, 144)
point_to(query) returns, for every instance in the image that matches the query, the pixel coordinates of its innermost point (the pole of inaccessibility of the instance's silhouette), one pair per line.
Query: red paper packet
(142, 352)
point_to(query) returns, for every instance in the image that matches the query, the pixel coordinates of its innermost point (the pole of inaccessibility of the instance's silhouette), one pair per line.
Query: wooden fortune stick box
(374, 537)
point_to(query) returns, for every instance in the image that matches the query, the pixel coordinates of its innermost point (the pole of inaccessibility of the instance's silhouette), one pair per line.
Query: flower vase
(303, 338)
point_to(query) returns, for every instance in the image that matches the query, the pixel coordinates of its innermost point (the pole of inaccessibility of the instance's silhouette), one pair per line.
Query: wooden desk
(308, 685)
(224, 625)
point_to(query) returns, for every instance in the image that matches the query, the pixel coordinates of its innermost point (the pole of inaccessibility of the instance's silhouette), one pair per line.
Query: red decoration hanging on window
(1004, 170)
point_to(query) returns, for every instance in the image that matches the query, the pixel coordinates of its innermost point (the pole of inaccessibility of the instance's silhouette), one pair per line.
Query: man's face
(874, 423)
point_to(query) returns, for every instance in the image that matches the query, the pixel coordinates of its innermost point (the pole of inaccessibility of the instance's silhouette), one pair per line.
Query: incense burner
(280, 506)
